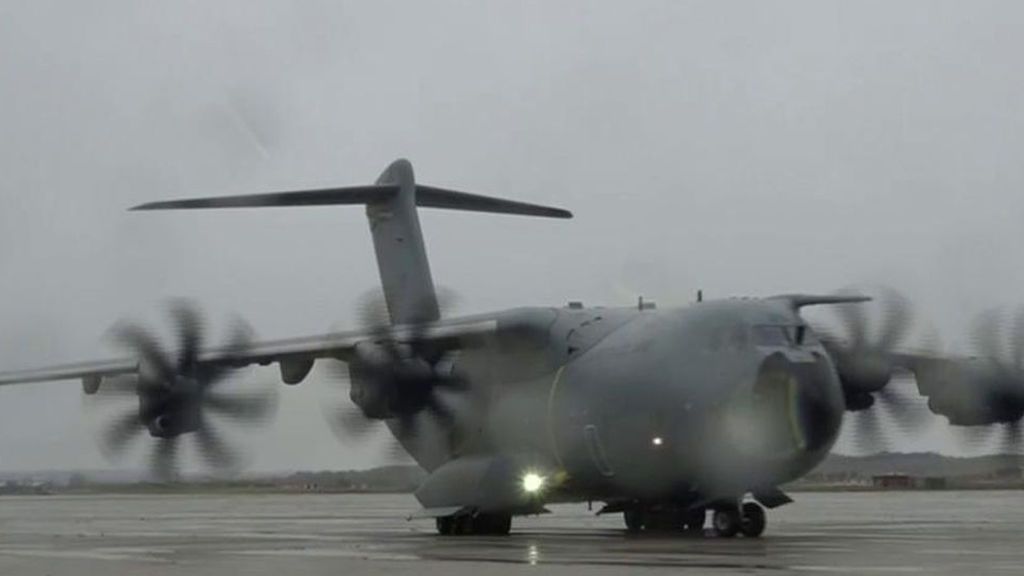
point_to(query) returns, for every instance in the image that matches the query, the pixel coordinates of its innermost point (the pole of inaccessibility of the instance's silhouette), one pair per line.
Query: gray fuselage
(716, 399)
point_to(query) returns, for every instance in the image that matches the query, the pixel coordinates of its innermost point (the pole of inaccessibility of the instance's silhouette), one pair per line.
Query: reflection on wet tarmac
(926, 532)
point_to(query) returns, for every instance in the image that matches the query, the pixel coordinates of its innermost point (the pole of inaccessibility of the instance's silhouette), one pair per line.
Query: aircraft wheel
(754, 520)
(695, 520)
(662, 521)
(493, 524)
(445, 525)
(726, 522)
(634, 518)
(463, 525)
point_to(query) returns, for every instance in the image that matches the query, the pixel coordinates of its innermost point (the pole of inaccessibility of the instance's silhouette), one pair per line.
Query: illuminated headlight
(533, 482)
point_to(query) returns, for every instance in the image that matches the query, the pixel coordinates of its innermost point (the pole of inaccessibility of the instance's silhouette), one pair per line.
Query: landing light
(657, 441)
(532, 482)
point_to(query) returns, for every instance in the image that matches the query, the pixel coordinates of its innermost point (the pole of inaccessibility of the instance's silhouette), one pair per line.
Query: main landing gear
(727, 520)
(659, 519)
(478, 524)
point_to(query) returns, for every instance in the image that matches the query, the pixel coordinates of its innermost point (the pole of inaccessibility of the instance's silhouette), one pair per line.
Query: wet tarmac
(297, 535)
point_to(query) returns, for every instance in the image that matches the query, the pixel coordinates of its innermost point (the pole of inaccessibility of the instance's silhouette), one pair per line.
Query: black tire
(662, 521)
(634, 518)
(695, 520)
(464, 525)
(493, 524)
(726, 522)
(754, 520)
(445, 525)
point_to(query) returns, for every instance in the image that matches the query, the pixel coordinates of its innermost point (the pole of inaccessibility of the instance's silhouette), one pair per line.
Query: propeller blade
(909, 416)
(188, 326)
(986, 336)
(407, 427)
(867, 363)
(164, 459)
(372, 311)
(895, 321)
(174, 391)
(142, 342)
(250, 408)
(240, 337)
(399, 373)
(1017, 341)
(214, 451)
(867, 432)
(854, 320)
(452, 384)
(440, 411)
(396, 453)
(120, 432)
(348, 424)
(239, 341)
(1012, 435)
(973, 437)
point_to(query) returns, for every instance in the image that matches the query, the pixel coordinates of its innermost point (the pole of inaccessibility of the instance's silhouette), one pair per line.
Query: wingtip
(146, 206)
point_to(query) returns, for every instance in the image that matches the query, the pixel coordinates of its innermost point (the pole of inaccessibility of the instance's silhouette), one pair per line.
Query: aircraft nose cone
(793, 407)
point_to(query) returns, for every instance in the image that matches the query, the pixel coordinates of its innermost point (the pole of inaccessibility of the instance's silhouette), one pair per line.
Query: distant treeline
(920, 464)
(837, 470)
(384, 479)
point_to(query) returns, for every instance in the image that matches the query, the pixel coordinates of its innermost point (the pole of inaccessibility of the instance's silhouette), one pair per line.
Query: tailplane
(394, 223)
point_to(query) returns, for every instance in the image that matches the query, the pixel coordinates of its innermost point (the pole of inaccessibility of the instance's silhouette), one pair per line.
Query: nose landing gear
(754, 520)
(749, 520)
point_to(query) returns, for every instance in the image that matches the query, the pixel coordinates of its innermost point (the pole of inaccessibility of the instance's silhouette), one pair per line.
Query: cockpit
(782, 335)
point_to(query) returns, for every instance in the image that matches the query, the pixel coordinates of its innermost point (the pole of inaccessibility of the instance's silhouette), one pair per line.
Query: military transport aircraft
(667, 416)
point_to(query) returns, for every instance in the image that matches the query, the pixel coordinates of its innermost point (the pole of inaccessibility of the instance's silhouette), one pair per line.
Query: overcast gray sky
(746, 148)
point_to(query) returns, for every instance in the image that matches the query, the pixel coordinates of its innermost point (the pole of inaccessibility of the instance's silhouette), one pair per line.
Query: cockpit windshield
(782, 335)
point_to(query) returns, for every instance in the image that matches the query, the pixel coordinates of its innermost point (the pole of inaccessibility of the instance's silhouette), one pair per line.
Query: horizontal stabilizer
(430, 197)
(323, 197)
(426, 197)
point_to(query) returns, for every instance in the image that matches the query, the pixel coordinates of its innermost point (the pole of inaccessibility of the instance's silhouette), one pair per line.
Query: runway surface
(296, 535)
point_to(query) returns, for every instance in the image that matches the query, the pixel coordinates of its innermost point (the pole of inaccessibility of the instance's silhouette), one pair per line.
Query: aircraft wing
(295, 355)
(969, 391)
(83, 370)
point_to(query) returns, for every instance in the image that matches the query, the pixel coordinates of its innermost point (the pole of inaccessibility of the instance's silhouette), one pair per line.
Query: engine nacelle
(972, 392)
(295, 371)
(169, 412)
(385, 384)
(863, 373)
(91, 384)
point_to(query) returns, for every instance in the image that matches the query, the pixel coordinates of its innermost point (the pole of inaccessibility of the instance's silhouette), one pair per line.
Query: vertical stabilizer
(401, 255)
(391, 208)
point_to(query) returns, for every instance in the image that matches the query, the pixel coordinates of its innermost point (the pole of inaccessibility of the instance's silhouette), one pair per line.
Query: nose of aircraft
(794, 407)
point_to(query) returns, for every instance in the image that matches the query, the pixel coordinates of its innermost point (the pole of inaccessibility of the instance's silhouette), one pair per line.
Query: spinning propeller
(866, 360)
(177, 394)
(998, 384)
(398, 374)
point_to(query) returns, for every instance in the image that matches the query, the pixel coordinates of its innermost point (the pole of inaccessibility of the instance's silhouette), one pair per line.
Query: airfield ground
(296, 535)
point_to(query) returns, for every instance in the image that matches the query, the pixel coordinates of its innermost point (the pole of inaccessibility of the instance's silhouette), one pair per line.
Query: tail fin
(394, 223)
(401, 255)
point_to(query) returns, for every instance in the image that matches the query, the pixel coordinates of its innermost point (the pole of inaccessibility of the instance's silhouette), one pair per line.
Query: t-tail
(394, 223)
